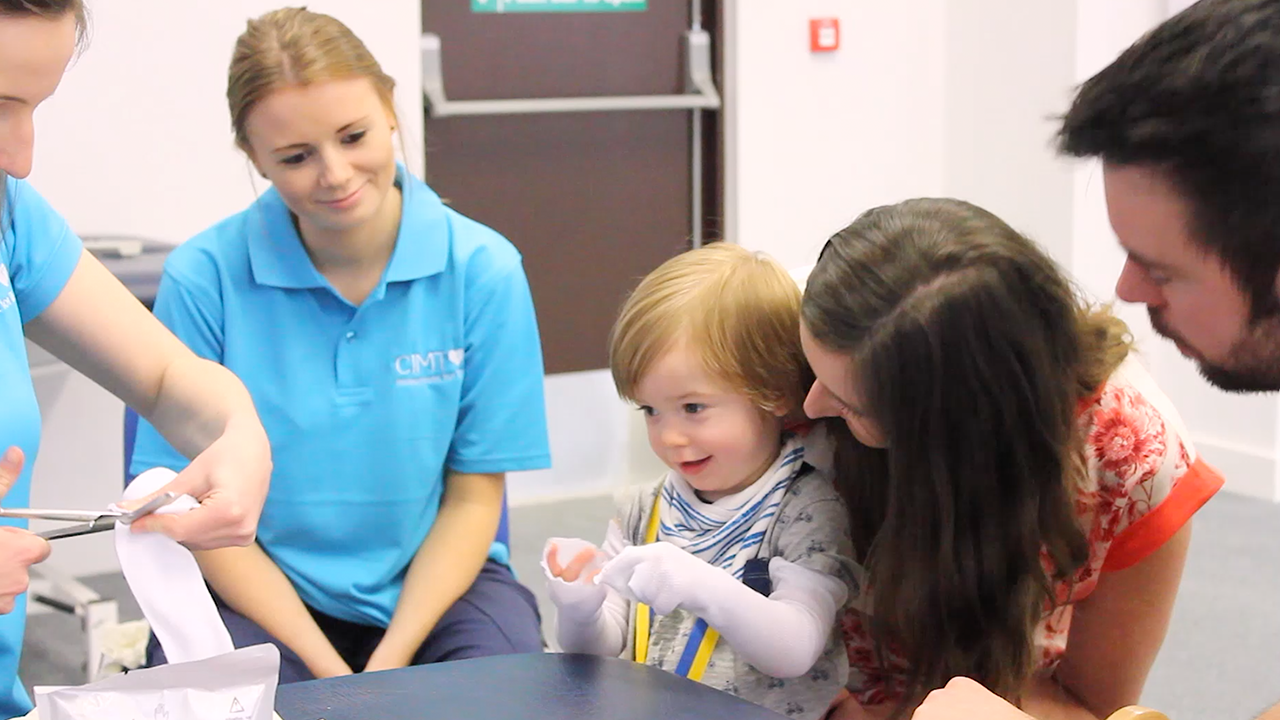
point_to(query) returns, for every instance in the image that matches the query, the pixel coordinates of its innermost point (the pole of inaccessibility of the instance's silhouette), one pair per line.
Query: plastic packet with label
(239, 685)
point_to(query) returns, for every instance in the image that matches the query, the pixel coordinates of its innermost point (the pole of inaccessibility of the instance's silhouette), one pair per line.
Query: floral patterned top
(1144, 482)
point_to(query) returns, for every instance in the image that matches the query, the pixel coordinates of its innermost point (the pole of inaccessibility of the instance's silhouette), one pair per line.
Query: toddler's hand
(571, 566)
(576, 567)
(661, 576)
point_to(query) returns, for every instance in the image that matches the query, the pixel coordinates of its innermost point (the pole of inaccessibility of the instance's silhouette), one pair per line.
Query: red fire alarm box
(824, 34)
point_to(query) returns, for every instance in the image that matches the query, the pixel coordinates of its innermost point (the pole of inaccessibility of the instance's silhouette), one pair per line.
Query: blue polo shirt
(38, 253)
(365, 407)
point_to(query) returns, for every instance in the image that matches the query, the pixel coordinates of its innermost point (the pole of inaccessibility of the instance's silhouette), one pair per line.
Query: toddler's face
(717, 439)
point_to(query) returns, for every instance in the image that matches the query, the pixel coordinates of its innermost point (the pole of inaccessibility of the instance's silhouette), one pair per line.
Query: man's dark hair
(1198, 97)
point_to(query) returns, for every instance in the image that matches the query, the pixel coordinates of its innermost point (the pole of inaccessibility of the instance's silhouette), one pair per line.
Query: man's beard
(1253, 363)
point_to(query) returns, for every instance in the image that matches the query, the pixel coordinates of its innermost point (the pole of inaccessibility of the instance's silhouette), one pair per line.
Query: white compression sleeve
(782, 635)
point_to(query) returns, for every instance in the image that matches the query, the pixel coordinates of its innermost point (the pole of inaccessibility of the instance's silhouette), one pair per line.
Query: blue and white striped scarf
(728, 532)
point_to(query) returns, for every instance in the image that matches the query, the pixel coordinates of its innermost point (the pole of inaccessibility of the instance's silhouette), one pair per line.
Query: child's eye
(694, 408)
(355, 137)
(295, 159)
(648, 411)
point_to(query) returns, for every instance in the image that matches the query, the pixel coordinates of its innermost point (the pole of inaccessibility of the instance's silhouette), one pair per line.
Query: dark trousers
(496, 616)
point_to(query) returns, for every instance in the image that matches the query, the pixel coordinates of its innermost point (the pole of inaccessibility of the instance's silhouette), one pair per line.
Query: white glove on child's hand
(571, 566)
(590, 618)
(664, 577)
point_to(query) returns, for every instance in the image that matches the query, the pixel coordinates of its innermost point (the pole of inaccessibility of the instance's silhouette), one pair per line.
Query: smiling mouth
(694, 467)
(343, 199)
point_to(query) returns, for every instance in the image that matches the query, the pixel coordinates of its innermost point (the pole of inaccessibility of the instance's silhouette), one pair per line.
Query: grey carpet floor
(1219, 662)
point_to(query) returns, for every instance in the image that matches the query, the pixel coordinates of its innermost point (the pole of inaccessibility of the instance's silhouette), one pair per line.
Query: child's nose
(674, 437)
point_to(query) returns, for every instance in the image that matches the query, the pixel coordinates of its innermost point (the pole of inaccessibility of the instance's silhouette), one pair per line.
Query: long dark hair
(972, 352)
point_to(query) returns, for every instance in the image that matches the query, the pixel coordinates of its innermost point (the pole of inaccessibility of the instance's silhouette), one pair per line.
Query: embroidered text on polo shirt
(430, 367)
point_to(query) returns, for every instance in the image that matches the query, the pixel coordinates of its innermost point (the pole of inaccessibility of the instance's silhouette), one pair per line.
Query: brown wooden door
(594, 201)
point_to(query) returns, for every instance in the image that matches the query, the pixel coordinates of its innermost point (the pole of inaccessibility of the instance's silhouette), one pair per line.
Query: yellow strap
(642, 610)
(703, 657)
(642, 632)
(709, 639)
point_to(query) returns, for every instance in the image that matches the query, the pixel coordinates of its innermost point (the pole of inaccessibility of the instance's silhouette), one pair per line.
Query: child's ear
(779, 411)
(794, 418)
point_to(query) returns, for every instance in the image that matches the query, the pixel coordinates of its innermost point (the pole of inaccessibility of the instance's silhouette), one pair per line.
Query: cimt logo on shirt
(430, 367)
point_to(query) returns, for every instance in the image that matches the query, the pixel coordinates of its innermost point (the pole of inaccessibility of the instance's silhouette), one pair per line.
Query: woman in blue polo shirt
(61, 297)
(391, 348)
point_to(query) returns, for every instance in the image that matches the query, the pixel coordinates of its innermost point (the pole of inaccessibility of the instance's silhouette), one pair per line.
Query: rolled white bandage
(167, 583)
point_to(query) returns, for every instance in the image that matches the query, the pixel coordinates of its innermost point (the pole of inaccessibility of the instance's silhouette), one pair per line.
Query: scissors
(92, 521)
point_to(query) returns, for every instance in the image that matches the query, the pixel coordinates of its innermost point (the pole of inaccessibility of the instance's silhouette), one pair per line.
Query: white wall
(1104, 29)
(1010, 65)
(598, 442)
(924, 98)
(813, 139)
(137, 141)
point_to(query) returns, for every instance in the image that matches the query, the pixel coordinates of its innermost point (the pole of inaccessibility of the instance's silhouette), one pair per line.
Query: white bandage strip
(167, 583)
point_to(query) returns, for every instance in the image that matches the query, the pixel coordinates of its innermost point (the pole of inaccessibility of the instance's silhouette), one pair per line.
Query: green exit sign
(551, 6)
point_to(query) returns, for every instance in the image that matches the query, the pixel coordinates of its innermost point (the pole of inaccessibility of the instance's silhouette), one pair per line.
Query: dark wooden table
(546, 686)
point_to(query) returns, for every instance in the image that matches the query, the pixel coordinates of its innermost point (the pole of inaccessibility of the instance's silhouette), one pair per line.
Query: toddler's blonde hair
(738, 310)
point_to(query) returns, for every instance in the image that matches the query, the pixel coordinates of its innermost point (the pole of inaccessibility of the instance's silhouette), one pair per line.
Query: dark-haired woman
(1021, 490)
